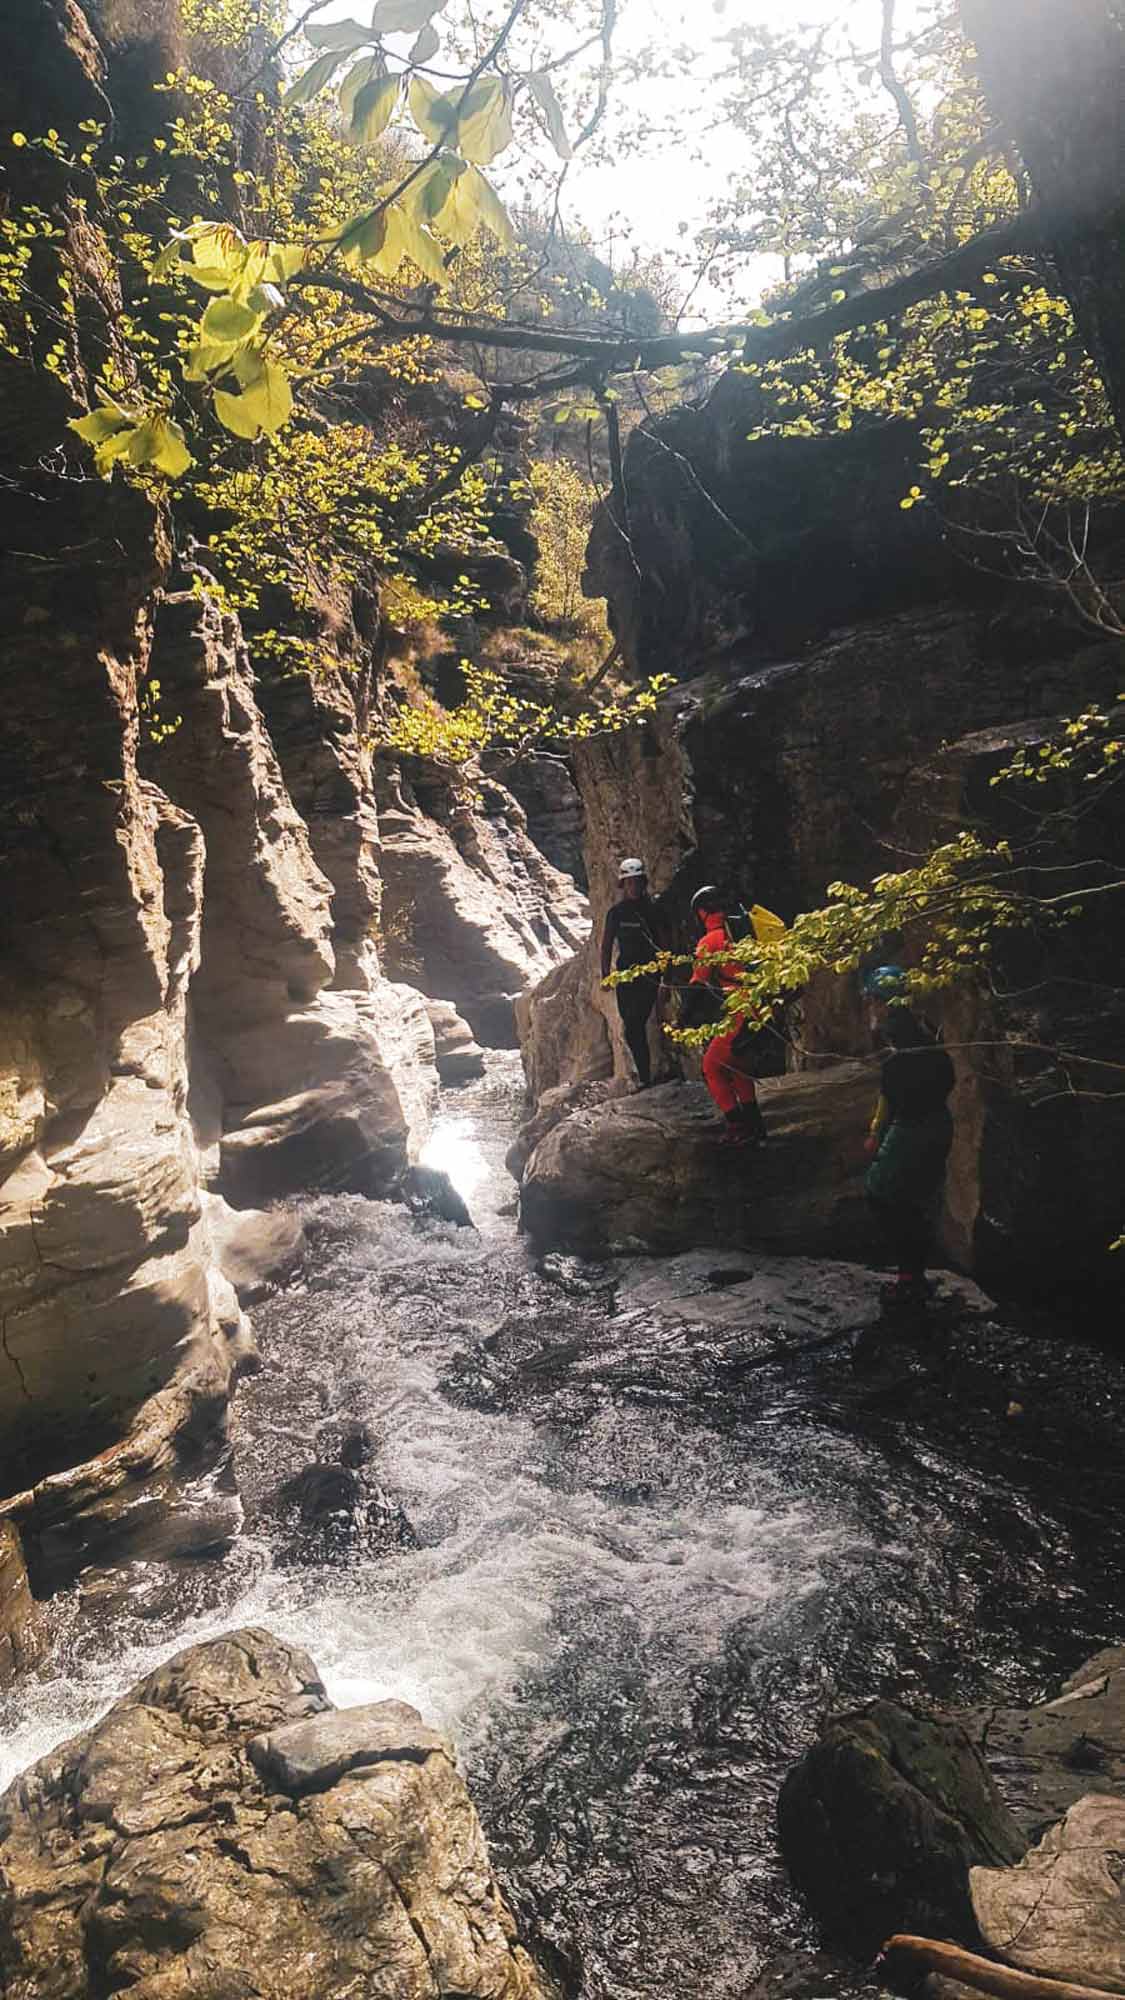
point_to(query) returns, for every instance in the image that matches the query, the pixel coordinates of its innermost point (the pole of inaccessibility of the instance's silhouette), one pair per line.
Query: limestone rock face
(318, 1088)
(650, 1171)
(881, 1821)
(457, 1055)
(471, 910)
(555, 820)
(1061, 1912)
(223, 1829)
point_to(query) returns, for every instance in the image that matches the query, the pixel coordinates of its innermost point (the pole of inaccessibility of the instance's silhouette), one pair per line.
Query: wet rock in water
(1047, 1757)
(1061, 1913)
(254, 1247)
(429, 1191)
(651, 1172)
(152, 1852)
(23, 1628)
(881, 1821)
(340, 1509)
(459, 1057)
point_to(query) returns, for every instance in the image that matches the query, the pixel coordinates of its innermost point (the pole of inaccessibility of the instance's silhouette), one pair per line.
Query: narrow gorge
(466, 1529)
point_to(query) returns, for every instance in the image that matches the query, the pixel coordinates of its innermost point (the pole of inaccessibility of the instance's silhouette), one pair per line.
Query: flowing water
(639, 1576)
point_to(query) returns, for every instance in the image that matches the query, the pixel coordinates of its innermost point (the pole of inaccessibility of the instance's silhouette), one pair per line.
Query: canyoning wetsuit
(633, 927)
(914, 1130)
(729, 1082)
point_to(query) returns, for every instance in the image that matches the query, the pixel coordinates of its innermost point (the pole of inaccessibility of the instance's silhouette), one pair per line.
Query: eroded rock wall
(472, 910)
(847, 687)
(172, 1013)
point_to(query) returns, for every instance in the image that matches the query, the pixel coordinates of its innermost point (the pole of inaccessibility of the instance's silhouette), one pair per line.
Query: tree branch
(897, 89)
(773, 341)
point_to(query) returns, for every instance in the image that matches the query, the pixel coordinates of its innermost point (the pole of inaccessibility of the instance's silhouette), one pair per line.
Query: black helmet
(710, 897)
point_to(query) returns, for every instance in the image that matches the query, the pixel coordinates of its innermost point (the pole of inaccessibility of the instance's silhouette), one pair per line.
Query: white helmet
(630, 869)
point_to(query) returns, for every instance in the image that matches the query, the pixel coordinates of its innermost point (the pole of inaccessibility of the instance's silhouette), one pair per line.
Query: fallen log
(952, 1962)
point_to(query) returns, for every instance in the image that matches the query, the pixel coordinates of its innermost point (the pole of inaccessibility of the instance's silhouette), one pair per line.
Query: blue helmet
(884, 982)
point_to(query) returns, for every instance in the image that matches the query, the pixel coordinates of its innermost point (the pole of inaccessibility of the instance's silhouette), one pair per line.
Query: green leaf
(484, 120)
(408, 237)
(364, 71)
(284, 262)
(543, 91)
(373, 109)
(315, 77)
(102, 423)
(342, 35)
(401, 17)
(225, 323)
(426, 46)
(167, 260)
(434, 115)
(169, 453)
(234, 415)
(361, 240)
(477, 197)
(204, 361)
(270, 397)
(428, 195)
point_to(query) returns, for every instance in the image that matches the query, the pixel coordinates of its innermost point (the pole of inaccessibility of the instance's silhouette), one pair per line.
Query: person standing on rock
(911, 1132)
(633, 928)
(724, 923)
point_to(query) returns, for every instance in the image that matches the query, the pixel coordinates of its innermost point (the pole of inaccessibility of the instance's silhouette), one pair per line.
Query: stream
(640, 1576)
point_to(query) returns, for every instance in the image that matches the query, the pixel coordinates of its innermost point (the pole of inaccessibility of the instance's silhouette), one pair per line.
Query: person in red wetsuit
(729, 1083)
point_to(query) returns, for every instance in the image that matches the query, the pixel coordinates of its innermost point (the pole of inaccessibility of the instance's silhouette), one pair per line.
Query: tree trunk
(1054, 71)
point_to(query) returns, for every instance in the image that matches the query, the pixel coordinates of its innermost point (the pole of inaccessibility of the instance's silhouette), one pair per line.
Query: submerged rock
(881, 1821)
(651, 1172)
(224, 1831)
(429, 1191)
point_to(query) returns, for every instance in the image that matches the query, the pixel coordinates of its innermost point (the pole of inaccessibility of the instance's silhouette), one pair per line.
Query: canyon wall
(847, 687)
(194, 1013)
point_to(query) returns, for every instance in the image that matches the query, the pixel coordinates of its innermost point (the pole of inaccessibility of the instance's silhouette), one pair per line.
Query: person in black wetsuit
(911, 1132)
(633, 928)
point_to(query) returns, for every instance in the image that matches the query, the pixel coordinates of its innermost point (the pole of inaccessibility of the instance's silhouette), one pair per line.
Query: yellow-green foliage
(492, 716)
(562, 511)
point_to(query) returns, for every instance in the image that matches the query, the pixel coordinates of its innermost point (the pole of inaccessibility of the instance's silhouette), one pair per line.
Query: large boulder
(881, 1821)
(224, 1831)
(366, 1087)
(651, 1172)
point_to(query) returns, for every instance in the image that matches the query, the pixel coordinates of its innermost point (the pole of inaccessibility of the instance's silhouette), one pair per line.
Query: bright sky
(656, 197)
(664, 191)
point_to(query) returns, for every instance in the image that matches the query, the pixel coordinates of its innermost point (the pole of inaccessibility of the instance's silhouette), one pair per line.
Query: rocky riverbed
(627, 1532)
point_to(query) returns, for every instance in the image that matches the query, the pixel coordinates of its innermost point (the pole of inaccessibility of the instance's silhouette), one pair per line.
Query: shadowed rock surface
(881, 1821)
(1048, 1757)
(224, 1831)
(23, 1627)
(651, 1171)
